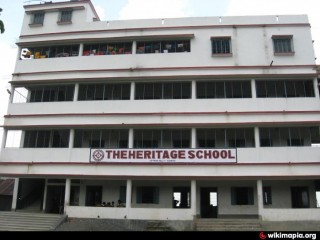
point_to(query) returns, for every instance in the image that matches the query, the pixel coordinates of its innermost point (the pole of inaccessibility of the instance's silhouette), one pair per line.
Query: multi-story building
(176, 118)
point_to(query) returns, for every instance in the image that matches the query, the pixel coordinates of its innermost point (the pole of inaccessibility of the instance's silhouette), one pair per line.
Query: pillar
(260, 198)
(45, 195)
(4, 138)
(256, 137)
(76, 92)
(67, 194)
(128, 194)
(194, 198)
(134, 47)
(193, 138)
(132, 90)
(253, 88)
(81, 49)
(316, 87)
(130, 140)
(15, 194)
(193, 89)
(71, 139)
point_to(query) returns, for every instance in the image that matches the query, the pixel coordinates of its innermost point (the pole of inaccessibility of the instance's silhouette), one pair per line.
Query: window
(284, 88)
(181, 197)
(221, 45)
(163, 46)
(267, 197)
(65, 16)
(95, 92)
(162, 138)
(242, 196)
(37, 18)
(42, 52)
(148, 195)
(225, 137)
(50, 93)
(114, 48)
(74, 195)
(94, 196)
(104, 138)
(289, 136)
(123, 194)
(168, 90)
(282, 45)
(46, 139)
(223, 89)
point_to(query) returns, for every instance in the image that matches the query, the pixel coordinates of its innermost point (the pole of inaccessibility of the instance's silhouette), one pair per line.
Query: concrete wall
(281, 193)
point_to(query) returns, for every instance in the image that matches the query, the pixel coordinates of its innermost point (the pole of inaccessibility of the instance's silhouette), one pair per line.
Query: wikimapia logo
(295, 235)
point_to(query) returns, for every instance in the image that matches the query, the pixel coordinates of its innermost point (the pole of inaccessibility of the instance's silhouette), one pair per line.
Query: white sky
(13, 11)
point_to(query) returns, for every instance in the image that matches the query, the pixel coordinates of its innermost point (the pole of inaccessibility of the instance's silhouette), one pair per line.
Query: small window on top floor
(283, 45)
(65, 16)
(37, 18)
(221, 45)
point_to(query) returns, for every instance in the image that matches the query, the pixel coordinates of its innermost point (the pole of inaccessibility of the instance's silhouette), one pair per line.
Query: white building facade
(176, 118)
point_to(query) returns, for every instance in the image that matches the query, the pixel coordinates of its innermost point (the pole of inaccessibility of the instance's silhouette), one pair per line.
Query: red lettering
(173, 154)
(224, 154)
(116, 154)
(191, 154)
(215, 154)
(207, 154)
(230, 155)
(132, 155)
(147, 154)
(108, 152)
(165, 155)
(182, 154)
(124, 154)
(199, 154)
(139, 155)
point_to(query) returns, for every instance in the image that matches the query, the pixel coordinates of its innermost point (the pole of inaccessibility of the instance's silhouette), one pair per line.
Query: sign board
(163, 155)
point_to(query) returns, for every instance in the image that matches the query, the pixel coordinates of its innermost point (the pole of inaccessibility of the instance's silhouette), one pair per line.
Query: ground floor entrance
(171, 199)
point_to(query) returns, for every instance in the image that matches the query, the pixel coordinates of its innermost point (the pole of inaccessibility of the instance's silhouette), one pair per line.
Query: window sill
(35, 24)
(64, 23)
(284, 54)
(221, 55)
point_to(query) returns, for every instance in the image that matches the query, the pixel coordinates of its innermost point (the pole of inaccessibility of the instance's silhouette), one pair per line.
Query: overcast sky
(13, 11)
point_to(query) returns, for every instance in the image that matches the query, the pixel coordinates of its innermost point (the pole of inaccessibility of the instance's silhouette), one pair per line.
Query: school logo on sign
(98, 155)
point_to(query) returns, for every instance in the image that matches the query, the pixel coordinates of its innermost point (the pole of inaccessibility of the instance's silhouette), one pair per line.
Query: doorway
(55, 199)
(208, 202)
(300, 197)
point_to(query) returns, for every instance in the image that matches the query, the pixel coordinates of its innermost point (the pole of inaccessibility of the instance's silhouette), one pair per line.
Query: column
(15, 194)
(67, 194)
(4, 138)
(76, 92)
(193, 89)
(130, 140)
(12, 89)
(134, 47)
(256, 137)
(260, 198)
(45, 195)
(128, 194)
(132, 90)
(316, 87)
(71, 139)
(193, 138)
(194, 198)
(81, 49)
(253, 88)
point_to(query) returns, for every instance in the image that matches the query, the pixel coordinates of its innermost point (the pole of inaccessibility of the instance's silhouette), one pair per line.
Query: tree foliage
(1, 24)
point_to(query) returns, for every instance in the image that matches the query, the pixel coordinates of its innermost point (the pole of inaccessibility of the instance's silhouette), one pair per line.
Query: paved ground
(136, 225)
